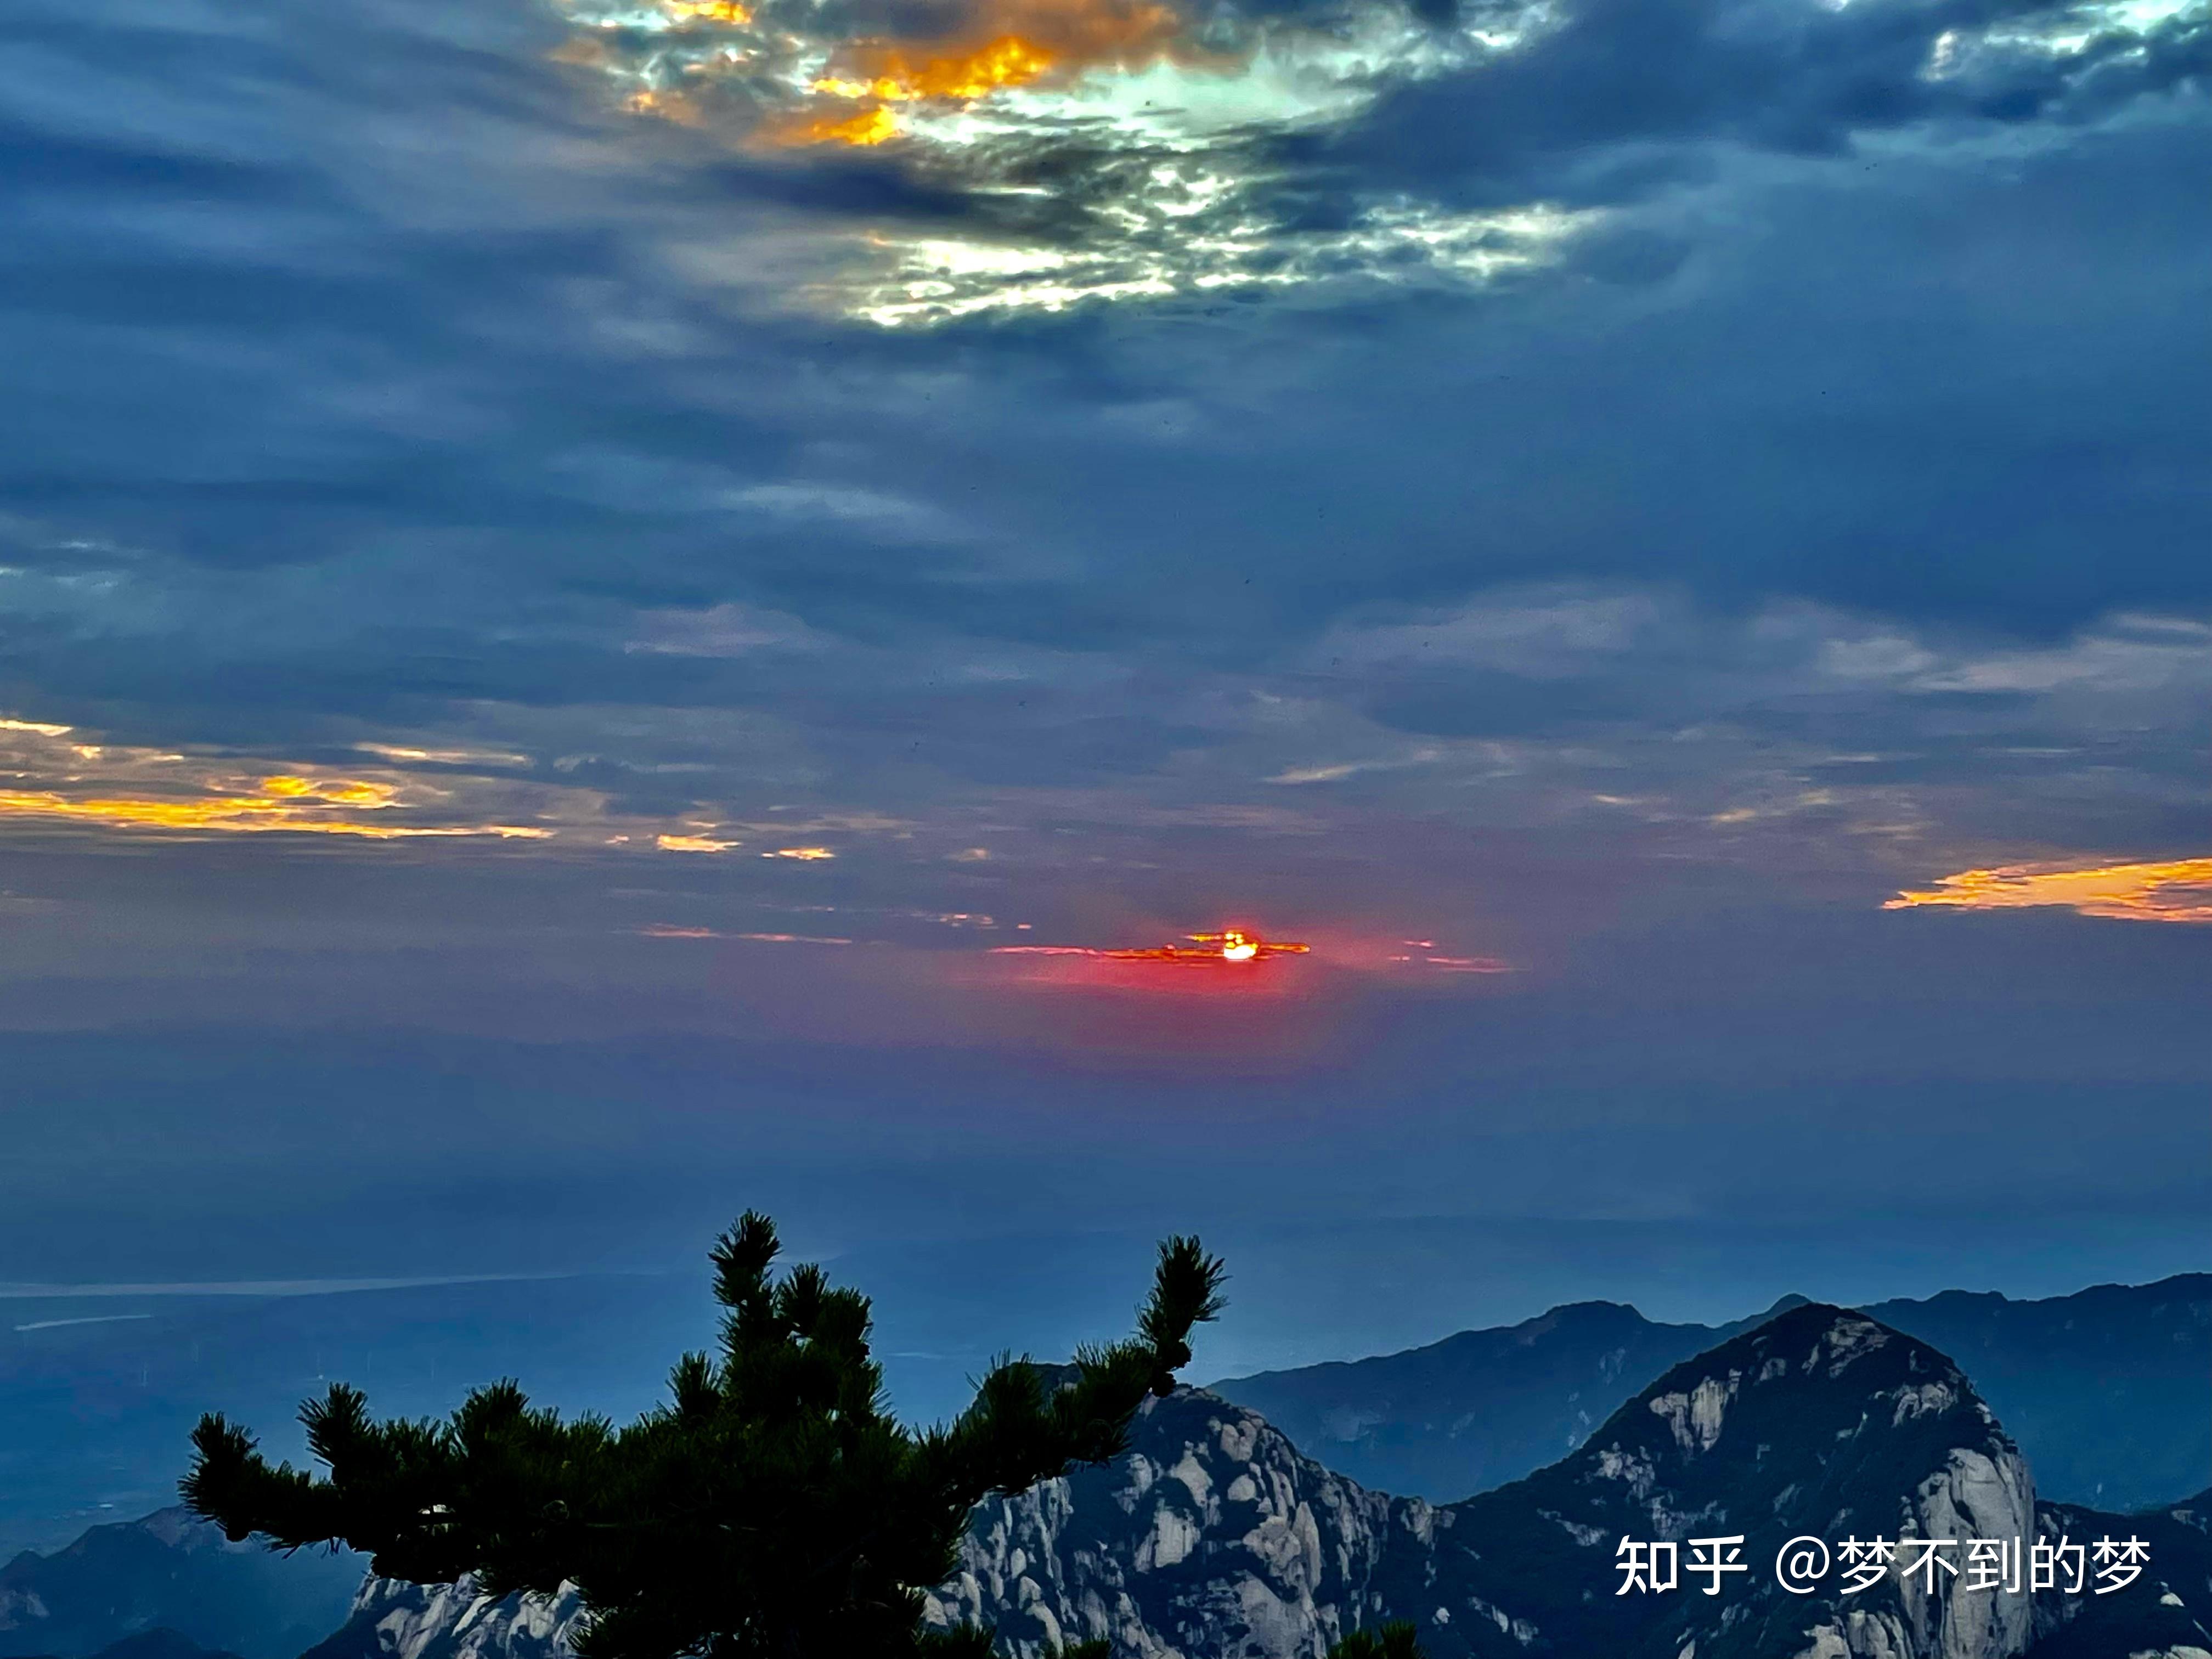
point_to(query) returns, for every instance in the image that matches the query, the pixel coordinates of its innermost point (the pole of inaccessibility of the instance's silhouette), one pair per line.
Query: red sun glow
(1232, 947)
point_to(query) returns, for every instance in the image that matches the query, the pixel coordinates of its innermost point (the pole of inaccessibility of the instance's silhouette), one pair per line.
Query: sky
(611, 612)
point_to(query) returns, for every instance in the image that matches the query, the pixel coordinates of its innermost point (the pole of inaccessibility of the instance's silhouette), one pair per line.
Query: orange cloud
(2180, 889)
(283, 802)
(1010, 43)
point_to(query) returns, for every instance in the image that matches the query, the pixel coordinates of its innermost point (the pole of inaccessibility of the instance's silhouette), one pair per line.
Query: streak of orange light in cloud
(803, 854)
(1008, 44)
(2179, 889)
(870, 127)
(671, 930)
(283, 803)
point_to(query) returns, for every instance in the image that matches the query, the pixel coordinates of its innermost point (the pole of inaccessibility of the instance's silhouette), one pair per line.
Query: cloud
(2177, 889)
(1337, 772)
(393, 410)
(1105, 149)
(135, 790)
(290, 805)
(56, 778)
(1130, 150)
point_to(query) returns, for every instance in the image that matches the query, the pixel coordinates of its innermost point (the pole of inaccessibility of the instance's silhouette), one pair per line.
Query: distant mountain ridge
(98, 1394)
(171, 1574)
(2104, 1388)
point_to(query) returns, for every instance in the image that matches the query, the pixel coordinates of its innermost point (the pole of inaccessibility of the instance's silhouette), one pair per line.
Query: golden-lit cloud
(1007, 44)
(693, 844)
(2177, 889)
(321, 806)
(57, 780)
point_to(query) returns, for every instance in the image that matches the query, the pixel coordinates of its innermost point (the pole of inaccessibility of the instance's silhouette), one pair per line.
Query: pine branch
(771, 1507)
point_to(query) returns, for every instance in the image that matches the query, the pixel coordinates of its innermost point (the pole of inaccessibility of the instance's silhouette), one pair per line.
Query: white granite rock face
(1978, 1495)
(1240, 1549)
(395, 1620)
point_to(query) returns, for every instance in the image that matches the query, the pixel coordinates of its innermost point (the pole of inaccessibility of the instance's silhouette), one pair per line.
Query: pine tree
(1397, 1641)
(771, 1510)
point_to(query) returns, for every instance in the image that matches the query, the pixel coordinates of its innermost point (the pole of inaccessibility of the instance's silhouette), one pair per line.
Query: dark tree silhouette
(1398, 1641)
(771, 1510)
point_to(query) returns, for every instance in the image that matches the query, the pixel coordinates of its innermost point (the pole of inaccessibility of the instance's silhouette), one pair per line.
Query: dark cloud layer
(1811, 506)
(1619, 97)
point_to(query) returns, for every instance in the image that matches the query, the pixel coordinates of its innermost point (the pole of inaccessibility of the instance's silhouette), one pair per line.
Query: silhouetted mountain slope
(2195, 1511)
(170, 1574)
(2165, 1614)
(157, 1643)
(1476, 1410)
(2104, 1389)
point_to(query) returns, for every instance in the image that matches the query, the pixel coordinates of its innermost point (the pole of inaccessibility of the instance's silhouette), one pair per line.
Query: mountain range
(1213, 1538)
(1216, 1537)
(2105, 1388)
